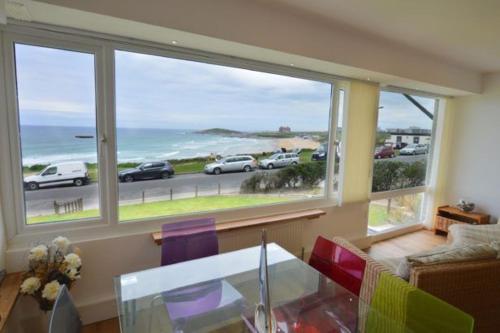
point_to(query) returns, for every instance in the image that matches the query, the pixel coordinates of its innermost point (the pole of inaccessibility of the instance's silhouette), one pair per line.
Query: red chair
(339, 264)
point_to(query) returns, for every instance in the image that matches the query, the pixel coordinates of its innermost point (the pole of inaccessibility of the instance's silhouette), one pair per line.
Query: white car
(414, 149)
(279, 161)
(75, 173)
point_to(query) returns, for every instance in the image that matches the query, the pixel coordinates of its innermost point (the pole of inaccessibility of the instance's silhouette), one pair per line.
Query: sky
(57, 87)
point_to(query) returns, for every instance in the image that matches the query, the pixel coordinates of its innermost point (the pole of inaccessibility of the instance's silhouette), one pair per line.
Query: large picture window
(57, 131)
(194, 137)
(403, 151)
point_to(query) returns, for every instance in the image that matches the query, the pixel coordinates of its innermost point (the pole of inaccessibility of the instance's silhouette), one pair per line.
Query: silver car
(244, 163)
(414, 149)
(279, 161)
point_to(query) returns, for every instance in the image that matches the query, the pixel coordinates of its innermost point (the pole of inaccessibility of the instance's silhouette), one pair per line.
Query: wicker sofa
(473, 286)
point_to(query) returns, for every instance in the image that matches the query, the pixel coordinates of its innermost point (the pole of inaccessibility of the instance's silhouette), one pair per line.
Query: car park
(414, 149)
(147, 170)
(236, 163)
(56, 174)
(279, 161)
(384, 152)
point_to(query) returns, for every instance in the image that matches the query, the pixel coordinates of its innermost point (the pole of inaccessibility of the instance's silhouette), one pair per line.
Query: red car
(384, 152)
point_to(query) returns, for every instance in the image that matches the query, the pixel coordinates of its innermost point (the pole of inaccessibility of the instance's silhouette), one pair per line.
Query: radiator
(288, 235)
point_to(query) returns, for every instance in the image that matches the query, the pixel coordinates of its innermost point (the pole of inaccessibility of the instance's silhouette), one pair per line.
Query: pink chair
(339, 264)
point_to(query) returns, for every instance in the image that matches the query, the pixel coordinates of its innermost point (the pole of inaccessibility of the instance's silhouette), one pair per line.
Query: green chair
(399, 307)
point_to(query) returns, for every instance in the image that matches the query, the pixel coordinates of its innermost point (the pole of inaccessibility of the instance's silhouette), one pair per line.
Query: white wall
(474, 164)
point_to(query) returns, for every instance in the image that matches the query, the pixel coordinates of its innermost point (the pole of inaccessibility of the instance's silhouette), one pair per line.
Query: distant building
(284, 129)
(413, 135)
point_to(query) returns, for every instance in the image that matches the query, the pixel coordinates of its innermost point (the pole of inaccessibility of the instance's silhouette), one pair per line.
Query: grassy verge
(165, 208)
(377, 216)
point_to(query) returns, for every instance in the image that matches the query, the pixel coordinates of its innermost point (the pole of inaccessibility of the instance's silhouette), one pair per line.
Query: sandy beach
(298, 142)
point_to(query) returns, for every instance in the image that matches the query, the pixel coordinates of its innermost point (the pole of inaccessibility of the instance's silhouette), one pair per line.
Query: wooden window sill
(261, 221)
(9, 291)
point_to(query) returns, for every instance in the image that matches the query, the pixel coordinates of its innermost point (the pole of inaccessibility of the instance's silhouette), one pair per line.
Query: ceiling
(464, 32)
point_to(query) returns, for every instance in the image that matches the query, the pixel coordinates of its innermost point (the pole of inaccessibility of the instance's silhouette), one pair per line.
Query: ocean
(51, 144)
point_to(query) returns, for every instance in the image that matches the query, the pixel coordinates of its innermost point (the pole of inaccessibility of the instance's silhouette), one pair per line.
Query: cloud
(45, 105)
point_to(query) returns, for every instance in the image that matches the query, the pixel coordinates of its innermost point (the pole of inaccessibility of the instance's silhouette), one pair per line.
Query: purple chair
(190, 240)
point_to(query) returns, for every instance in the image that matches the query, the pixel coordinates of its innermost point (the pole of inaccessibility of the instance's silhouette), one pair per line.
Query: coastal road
(182, 186)
(40, 202)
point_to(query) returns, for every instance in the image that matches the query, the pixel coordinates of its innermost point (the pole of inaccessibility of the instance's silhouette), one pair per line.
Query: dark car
(319, 154)
(149, 170)
(384, 152)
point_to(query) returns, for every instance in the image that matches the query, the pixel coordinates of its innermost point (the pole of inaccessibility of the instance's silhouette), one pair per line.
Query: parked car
(320, 153)
(75, 173)
(414, 149)
(232, 164)
(279, 161)
(384, 152)
(148, 170)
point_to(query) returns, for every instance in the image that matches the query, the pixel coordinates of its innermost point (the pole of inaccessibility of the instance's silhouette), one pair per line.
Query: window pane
(57, 116)
(197, 116)
(402, 153)
(403, 141)
(388, 213)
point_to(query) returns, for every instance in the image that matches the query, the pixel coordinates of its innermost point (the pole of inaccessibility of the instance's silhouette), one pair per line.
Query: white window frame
(374, 196)
(103, 48)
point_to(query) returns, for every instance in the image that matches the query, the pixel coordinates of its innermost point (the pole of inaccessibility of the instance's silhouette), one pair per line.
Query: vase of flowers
(50, 267)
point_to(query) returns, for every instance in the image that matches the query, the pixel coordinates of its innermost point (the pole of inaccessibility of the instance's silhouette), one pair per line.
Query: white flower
(61, 243)
(30, 285)
(38, 253)
(73, 273)
(50, 290)
(73, 260)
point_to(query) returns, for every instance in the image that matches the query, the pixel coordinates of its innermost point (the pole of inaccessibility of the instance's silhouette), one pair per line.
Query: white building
(402, 137)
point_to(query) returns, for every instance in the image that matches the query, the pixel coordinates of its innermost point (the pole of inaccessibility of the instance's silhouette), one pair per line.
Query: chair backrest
(339, 264)
(65, 317)
(187, 240)
(398, 306)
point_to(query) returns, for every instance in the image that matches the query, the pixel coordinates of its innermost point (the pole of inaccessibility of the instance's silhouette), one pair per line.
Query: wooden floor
(405, 245)
(394, 247)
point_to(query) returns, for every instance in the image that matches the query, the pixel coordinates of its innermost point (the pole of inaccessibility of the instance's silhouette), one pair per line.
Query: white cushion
(465, 234)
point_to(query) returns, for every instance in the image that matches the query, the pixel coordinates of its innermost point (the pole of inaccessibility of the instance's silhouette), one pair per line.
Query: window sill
(261, 221)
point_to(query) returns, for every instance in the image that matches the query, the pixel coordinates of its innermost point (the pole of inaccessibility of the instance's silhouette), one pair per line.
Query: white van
(59, 174)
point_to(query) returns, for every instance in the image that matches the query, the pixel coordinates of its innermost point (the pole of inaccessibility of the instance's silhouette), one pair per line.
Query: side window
(50, 171)
(148, 165)
(230, 160)
(158, 165)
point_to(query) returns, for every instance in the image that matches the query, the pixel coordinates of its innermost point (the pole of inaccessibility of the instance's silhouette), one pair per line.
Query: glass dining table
(220, 293)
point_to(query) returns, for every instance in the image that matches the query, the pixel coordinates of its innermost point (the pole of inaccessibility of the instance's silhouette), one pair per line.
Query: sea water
(51, 144)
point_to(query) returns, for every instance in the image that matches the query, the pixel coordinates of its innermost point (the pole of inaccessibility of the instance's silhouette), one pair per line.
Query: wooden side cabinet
(448, 215)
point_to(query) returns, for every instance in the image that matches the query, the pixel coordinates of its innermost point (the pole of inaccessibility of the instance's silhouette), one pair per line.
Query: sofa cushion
(446, 254)
(464, 234)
